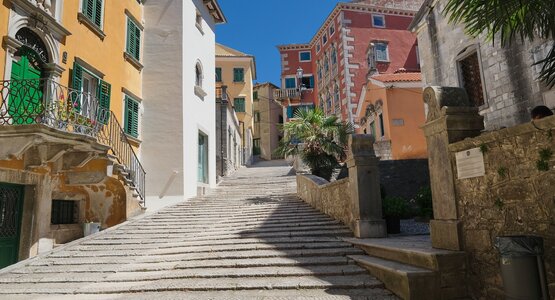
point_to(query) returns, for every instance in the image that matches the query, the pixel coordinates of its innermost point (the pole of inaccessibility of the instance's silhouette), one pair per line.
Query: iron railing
(44, 101)
(114, 135)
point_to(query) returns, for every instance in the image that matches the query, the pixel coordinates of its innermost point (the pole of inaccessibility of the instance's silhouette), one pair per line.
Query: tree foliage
(318, 139)
(509, 20)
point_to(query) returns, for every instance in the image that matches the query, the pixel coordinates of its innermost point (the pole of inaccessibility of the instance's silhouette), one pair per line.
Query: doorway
(202, 158)
(11, 210)
(26, 91)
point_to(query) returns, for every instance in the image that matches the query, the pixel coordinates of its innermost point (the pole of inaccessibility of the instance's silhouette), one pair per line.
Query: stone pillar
(451, 118)
(364, 179)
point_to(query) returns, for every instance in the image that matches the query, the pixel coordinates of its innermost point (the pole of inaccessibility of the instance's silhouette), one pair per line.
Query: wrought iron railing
(114, 135)
(282, 94)
(44, 101)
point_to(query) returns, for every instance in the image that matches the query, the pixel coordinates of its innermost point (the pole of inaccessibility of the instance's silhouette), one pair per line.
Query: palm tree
(323, 138)
(509, 20)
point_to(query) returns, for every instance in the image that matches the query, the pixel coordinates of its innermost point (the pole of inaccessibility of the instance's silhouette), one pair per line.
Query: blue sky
(257, 27)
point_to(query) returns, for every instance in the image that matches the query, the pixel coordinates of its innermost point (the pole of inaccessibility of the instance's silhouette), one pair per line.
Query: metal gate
(11, 204)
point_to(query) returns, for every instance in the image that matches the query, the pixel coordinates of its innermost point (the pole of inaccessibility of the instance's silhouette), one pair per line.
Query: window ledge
(133, 140)
(133, 61)
(200, 92)
(93, 27)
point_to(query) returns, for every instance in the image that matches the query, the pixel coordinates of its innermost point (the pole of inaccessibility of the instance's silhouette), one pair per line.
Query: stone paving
(252, 238)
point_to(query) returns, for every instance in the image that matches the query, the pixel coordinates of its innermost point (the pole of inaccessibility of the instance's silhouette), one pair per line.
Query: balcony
(287, 94)
(73, 120)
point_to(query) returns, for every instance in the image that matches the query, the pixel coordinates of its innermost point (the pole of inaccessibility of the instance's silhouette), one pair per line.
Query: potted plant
(394, 208)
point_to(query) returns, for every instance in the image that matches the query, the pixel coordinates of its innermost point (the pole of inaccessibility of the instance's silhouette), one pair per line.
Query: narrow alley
(252, 238)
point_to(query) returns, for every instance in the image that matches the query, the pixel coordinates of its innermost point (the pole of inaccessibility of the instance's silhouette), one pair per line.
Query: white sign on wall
(470, 163)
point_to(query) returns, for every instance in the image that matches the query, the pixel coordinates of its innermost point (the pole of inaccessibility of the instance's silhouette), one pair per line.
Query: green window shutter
(88, 8)
(238, 75)
(255, 95)
(131, 122)
(77, 85)
(218, 74)
(239, 104)
(104, 91)
(137, 42)
(98, 13)
(133, 39)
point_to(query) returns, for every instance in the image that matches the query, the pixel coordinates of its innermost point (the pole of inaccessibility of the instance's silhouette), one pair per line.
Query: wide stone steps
(251, 238)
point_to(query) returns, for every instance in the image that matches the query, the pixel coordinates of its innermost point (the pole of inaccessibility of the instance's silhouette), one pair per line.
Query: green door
(202, 158)
(11, 205)
(25, 106)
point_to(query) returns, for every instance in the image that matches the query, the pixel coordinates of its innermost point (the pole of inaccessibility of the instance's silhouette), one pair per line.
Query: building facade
(229, 150)
(180, 140)
(500, 81)
(393, 112)
(69, 114)
(268, 114)
(356, 38)
(237, 70)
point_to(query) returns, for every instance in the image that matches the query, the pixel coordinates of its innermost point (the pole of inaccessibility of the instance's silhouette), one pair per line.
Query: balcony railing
(282, 94)
(43, 101)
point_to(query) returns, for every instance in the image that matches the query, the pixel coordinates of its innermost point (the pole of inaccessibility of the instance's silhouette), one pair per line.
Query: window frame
(218, 73)
(288, 79)
(318, 47)
(242, 75)
(331, 29)
(324, 38)
(255, 96)
(134, 130)
(84, 11)
(469, 51)
(301, 56)
(374, 21)
(55, 218)
(386, 51)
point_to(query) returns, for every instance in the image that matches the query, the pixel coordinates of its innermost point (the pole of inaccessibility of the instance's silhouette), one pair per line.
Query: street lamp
(300, 86)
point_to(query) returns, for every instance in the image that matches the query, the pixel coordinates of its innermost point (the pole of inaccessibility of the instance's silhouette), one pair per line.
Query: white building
(179, 132)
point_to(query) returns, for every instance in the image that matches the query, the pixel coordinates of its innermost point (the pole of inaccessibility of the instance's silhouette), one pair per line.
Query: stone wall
(513, 198)
(332, 199)
(404, 177)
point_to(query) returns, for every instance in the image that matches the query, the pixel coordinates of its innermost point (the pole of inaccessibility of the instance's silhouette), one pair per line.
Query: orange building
(393, 112)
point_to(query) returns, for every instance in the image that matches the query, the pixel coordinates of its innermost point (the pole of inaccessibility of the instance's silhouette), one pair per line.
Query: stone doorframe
(450, 118)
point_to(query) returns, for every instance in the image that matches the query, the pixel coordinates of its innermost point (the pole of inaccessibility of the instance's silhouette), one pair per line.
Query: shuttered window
(92, 9)
(131, 122)
(218, 74)
(102, 94)
(471, 79)
(133, 39)
(239, 104)
(238, 75)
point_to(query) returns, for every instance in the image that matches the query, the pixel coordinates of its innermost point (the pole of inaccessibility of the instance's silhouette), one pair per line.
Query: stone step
(248, 224)
(321, 220)
(413, 250)
(406, 281)
(288, 271)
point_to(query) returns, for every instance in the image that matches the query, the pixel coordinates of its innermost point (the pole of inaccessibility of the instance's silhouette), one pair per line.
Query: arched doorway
(26, 86)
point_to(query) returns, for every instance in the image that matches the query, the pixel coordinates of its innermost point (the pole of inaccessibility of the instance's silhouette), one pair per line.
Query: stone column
(364, 179)
(451, 118)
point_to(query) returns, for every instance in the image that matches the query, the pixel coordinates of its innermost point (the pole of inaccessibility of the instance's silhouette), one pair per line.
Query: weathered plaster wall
(332, 199)
(513, 198)
(509, 84)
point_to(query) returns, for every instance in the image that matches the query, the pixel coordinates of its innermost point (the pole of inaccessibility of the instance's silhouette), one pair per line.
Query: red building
(357, 39)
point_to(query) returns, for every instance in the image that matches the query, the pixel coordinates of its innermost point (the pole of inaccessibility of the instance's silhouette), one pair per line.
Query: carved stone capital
(437, 97)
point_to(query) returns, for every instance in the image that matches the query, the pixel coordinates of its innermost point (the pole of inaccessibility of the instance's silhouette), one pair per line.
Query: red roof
(398, 77)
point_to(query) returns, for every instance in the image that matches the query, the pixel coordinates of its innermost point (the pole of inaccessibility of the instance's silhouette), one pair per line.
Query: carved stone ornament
(436, 97)
(30, 39)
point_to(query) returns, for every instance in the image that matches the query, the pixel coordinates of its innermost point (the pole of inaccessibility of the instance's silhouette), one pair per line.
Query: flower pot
(393, 224)
(90, 228)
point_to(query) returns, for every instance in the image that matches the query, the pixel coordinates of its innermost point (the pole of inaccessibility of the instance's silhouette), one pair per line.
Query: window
(373, 128)
(290, 83)
(317, 47)
(332, 29)
(255, 95)
(131, 117)
(133, 46)
(256, 117)
(64, 212)
(308, 82)
(90, 89)
(329, 101)
(382, 129)
(198, 75)
(238, 75)
(292, 110)
(378, 21)
(319, 71)
(304, 56)
(239, 104)
(471, 79)
(324, 39)
(333, 55)
(381, 52)
(218, 74)
(336, 93)
(93, 10)
(326, 64)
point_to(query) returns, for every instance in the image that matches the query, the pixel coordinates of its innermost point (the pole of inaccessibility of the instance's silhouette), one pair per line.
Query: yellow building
(237, 70)
(70, 108)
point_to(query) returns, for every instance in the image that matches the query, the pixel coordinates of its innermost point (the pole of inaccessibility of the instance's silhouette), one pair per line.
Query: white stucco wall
(173, 113)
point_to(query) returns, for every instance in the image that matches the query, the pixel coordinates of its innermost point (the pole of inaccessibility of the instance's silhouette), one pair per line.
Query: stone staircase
(412, 269)
(250, 239)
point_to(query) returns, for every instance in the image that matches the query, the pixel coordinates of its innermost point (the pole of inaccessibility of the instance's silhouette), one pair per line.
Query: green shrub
(395, 207)
(424, 204)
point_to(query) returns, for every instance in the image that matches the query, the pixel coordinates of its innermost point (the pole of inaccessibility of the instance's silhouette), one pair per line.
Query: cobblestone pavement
(250, 239)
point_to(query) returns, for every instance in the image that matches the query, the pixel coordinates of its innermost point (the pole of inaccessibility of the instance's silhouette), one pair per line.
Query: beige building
(237, 70)
(267, 114)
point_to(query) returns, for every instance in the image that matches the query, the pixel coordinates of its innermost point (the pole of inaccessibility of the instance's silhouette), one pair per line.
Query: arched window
(336, 93)
(326, 64)
(319, 66)
(333, 55)
(198, 75)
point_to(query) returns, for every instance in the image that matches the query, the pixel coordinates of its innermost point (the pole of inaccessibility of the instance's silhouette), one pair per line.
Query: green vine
(542, 164)
(502, 171)
(483, 148)
(499, 203)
